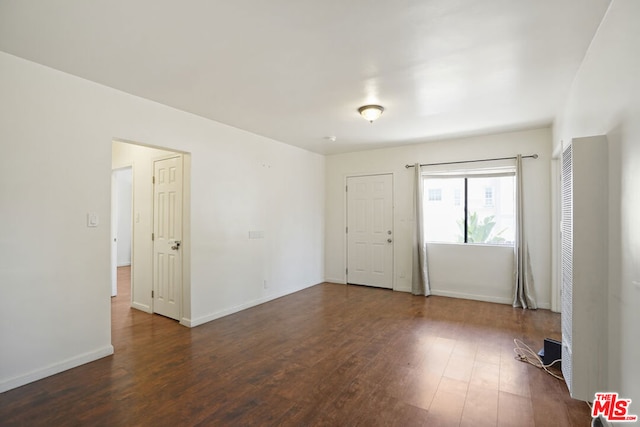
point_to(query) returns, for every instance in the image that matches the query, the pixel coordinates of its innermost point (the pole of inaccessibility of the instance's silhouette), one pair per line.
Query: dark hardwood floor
(331, 355)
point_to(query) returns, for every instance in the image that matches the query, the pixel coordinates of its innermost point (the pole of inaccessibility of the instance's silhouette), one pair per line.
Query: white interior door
(370, 230)
(167, 236)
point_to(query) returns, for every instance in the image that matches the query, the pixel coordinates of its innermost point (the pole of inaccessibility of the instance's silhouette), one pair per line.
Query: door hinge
(151, 294)
(346, 230)
(153, 179)
(153, 236)
(346, 271)
(346, 188)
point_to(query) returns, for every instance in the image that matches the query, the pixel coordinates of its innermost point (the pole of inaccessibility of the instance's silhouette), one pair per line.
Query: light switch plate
(92, 219)
(256, 234)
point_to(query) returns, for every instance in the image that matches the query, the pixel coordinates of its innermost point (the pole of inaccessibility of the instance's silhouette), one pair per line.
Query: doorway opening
(158, 278)
(121, 226)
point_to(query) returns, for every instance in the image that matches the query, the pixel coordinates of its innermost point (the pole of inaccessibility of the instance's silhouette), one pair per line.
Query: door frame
(185, 318)
(556, 228)
(345, 222)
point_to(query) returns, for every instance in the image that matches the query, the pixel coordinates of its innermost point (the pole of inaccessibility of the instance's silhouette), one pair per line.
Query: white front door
(370, 230)
(167, 235)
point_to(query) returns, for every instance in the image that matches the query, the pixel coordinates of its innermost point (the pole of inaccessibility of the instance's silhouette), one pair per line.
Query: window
(488, 197)
(435, 194)
(473, 208)
(457, 197)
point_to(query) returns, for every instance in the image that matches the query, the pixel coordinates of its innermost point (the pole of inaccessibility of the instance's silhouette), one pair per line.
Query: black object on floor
(551, 352)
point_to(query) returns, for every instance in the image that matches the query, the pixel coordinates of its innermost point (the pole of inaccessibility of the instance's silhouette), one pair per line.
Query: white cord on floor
(525, 354)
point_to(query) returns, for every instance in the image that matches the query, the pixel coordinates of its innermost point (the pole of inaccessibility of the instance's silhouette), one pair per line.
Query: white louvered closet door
(567, 264)
(584, 265)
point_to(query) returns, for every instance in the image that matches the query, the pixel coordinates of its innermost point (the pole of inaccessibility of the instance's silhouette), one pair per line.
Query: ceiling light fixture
(371, 112)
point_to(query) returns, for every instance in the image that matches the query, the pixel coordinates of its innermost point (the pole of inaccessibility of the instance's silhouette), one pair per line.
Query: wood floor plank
(514, 376)
(460, 367)
(485, 375)
(544, 405)
(448, 403)
(515, 410)
(480, 407)
(328, 355)
(420, 388)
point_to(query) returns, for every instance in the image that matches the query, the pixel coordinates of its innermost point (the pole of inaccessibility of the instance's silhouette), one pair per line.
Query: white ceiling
(297, 70)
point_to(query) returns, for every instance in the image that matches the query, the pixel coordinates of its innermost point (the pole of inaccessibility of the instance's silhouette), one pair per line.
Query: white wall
(56, 132)
(448, 278)
(124, 189)
(479, 272)
(605, 100)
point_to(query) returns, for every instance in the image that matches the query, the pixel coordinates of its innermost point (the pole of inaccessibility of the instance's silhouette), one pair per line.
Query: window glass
(490, 210)
(488, 196)
(490, 204)
(457, 196)
(443, 217)
(435, 194)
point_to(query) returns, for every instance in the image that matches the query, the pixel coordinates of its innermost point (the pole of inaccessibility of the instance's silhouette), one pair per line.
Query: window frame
(466, 175)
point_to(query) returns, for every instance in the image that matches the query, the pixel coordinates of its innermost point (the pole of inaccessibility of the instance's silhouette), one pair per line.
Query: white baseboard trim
(125, 264)
(500, 300)
(141, 307)
(485, 298)
(222, 313)
(55, 368)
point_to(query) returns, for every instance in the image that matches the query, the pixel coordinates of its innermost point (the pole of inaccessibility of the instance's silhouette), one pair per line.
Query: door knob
(176, 245)
(389, 240)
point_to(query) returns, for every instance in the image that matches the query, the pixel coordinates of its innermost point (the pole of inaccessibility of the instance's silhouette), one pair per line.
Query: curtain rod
(532, 156)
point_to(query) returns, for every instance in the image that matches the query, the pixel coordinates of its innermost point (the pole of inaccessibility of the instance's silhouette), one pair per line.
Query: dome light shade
(371, 112)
